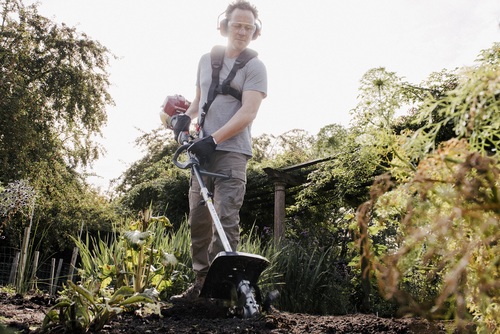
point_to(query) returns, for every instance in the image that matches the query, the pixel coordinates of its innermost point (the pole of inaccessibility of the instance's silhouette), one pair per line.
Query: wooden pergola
(281, 178)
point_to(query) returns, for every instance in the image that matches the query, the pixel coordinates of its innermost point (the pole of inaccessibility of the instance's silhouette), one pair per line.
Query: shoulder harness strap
(240, 62)
(217, 60)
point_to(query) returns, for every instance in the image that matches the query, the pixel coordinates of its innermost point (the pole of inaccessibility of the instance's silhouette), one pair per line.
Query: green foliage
(380, 98)
(452, 200)
(64, 202)
(311, 280)
(262, 149)
(356, 155)
(334, 188)
(291, 148)
(440, 206)
(54, 94)
(80, 310)
(471, 107)
(330, 140)
(155, 181)
(139, 256)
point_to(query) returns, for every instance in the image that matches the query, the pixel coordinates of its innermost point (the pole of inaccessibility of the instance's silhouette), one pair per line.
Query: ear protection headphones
(222, 25)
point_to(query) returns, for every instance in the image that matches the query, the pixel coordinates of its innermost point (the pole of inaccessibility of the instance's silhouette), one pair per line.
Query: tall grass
(311, 281)
(177, 242)
(270, 278)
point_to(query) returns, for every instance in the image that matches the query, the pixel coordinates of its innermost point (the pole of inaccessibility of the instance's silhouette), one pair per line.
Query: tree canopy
(54, 92)
(54, 89)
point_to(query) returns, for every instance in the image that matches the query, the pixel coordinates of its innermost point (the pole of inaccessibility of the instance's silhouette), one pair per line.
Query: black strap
(240, 62)
(217, 59)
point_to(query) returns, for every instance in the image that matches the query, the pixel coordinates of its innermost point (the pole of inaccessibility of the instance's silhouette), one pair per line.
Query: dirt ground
(25, 315)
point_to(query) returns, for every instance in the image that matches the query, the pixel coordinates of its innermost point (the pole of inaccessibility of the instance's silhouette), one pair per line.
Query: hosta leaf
(82, 291)
(168, 259)
(136, 238)
(120, 294)
(137, 299)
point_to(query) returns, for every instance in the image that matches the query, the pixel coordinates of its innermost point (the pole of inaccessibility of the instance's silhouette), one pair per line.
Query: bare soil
(25, 315)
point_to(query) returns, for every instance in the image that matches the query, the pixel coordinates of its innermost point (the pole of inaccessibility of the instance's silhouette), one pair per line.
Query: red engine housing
(175, 104)
(171, 107)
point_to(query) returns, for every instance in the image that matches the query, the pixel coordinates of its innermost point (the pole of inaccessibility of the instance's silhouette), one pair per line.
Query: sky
(315, 53)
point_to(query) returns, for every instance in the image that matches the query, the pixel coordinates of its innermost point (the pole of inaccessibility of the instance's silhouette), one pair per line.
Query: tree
(329, 139)
(54, 96)
(54, 92)
(153, 182)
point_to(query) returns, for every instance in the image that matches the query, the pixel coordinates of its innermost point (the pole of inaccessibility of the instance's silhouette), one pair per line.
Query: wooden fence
(47, 276)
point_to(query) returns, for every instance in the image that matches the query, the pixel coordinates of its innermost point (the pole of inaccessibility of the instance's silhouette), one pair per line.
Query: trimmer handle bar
(193, 162)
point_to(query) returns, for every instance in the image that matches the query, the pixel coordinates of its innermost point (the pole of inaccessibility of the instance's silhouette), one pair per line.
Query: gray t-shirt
(253, 76)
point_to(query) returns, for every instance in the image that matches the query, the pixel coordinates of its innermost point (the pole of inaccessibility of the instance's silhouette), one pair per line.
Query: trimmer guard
(228, 269)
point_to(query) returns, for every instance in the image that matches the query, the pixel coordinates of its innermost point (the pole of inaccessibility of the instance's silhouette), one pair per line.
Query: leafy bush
(141, 256)
(451, 237)
(444, 198)
(80, 310)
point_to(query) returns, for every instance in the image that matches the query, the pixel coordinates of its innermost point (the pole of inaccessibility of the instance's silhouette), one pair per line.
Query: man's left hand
(203, 148)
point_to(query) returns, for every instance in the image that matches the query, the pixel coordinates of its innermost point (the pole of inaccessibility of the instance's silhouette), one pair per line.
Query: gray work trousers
(228, 198)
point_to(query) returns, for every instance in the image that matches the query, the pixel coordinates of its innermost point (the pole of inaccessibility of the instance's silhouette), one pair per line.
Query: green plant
(310, 280)
(80, 310)
(143, 256)
(450, 227)
(430, 228)
(270, 278)
(124, 270)
(19, 197)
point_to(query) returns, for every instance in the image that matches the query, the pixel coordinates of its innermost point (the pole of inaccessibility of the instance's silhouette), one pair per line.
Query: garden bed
(25, 314)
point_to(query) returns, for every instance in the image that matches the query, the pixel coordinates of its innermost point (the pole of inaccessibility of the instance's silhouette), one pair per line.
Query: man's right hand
(180, 124)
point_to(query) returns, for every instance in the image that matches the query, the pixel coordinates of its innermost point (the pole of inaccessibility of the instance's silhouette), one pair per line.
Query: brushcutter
(232, 275)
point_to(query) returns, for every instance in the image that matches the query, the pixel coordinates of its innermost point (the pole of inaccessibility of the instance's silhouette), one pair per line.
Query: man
(225, 143)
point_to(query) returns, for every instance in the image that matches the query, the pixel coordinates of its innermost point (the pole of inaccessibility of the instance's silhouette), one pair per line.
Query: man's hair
(241, 4)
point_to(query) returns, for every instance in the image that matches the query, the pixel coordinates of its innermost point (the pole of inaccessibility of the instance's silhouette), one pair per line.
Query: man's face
(241, 27)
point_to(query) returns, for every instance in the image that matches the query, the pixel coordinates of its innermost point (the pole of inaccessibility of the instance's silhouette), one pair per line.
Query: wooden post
(13, 270)
(33, 278)
(58, 273)
(279, 211)
(74, 257)
(23, 259)
(283, 177)
(73, 263)
(364, 250)
(52, 272)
